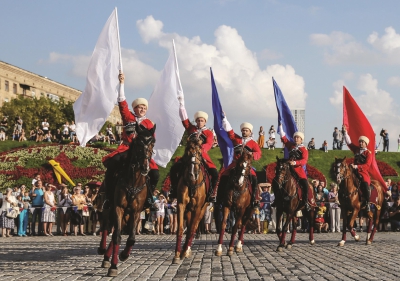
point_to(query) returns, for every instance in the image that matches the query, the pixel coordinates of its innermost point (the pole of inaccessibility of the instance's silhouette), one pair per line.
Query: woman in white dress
(48, 215)
(161, 202)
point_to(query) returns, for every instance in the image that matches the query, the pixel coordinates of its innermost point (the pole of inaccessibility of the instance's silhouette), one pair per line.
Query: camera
(382, 133)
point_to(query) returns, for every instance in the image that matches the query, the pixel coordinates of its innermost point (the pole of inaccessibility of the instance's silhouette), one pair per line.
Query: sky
(311, 48)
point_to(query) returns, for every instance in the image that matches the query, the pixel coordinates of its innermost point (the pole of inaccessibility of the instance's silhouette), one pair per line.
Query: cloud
(388, 43)
(337, 98)
(394, 81)
(245, 89)
(268, 54)
(342, 48)
(79, 63)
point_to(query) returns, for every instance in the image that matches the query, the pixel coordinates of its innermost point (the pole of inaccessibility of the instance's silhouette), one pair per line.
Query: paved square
(75, 258)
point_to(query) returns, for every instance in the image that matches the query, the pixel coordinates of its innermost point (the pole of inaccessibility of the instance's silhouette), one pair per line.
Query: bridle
(143, 150)
(282, 178)
(344, 174)
(194, 158)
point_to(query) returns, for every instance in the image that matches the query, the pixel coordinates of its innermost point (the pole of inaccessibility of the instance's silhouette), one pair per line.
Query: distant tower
(299, 116)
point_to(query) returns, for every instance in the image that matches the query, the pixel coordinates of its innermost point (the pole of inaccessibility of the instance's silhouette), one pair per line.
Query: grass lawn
(317, 158)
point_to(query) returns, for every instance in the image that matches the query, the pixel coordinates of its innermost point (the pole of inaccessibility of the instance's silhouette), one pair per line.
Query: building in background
(299, 116)
(15, 81)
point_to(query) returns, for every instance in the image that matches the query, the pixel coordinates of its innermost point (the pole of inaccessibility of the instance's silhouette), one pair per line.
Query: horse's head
(243, 166)
(193, 155)
(281, 170)
(142, 148)
(341, 169)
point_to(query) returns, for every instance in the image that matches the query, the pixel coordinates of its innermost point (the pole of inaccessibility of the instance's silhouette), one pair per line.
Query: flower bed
(18, 166)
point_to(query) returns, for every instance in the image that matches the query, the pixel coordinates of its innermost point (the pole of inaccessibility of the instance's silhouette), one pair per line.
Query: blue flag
(224, 142)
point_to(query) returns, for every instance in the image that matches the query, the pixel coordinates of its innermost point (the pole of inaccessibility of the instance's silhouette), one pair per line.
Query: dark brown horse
(191, 196)
(129, 198)
(287, 201)
(349, 198)
(237, 197)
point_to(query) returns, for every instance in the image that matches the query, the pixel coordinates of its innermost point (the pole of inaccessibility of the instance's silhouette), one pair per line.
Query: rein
(193, 186)
(346, 180)
(282, 182)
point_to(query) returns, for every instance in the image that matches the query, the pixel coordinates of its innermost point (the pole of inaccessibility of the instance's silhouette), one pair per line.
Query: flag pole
(177, 67)
(119, 43)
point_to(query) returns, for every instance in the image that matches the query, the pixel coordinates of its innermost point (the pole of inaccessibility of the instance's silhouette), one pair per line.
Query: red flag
(358, 125)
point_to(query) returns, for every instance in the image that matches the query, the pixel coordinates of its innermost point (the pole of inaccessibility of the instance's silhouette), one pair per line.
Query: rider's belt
(295, 154)
(239, 149)
(360, 159)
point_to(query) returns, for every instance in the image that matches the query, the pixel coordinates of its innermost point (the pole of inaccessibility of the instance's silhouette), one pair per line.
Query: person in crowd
(272, 132)
(326, 191)
(32, 135)
(3, 128)
(79, 202)
(395, 192)
(260, 140)
(7, 223)
(265, 205)
(94, 216)
(18, 123)
(394, 215)
(35, 179)
(24, 214)
(389, 184)
(208, 218)
(86, 213)
(48, 215)
(311, 144)
(45, 126)
(315, 184)
(72, 129)
(174, 220)
(37, 195)
(161, 204)
(271, 143)
(337, 139)
(320, 195)
(320, 223)
(324, 146)
(39, 134)
(57, 137)
(118, 131)
(334, 209)
(385, 218)
(15, 136)
(65, 130)
(385, 136)
(47, 137)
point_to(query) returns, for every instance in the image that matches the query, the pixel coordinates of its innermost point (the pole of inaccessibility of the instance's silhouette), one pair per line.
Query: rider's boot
(367, 197)
(212, 198)
(255, 203)
(304, 188)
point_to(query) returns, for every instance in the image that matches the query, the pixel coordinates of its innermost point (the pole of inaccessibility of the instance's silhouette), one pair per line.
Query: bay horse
(350, 203)
(129, 198)
(236, 196)
(287, 201)
(192, 193)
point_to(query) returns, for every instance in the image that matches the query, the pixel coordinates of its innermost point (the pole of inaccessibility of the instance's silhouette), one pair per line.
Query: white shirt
(45, 125)
(65, 128)
(72, 127)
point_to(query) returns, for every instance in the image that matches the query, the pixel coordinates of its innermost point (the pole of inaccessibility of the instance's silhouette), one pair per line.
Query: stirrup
(212, 199)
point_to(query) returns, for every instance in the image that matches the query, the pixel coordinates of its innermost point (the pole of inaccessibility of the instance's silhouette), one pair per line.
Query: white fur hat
(246, 125)
(300, 134)
(201, 114)
(138, 101)
(364, 138)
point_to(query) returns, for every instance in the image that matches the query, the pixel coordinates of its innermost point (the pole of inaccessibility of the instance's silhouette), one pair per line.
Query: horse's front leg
(237, 225)
(225, 215)
(279, 214)
(375, 222)
(351, 224)
(283, 234)
(247, 215)
(345, 219)
(294, 232)
(116, 239)
(133, 222)
(311, 218)
(105, 225)
(180, 217)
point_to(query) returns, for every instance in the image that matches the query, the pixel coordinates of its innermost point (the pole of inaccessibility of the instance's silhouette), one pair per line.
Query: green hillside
(317, 158)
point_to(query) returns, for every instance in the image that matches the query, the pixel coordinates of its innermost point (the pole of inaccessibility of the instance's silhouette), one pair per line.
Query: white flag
(164, 111)
(102, 85)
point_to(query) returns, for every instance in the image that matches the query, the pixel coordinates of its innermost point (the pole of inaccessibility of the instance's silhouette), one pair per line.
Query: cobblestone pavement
(75, 258)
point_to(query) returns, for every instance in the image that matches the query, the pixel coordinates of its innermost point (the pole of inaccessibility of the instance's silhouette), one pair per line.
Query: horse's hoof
(279, 249)
(357, 238)
(101, 251)
(289, 246)
(312, 242)
(368, 242)
(229, 253)
(188, 253)
(122, 257)
(176, 260)
(341, 243)
(112, 272)
(218, 253)
(105, 264)
(238, 250)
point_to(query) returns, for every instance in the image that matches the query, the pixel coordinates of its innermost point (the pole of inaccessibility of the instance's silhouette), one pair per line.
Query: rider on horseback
(208, 140)
(245, 142)
(113, 161)
(362, 163)
(298, 157)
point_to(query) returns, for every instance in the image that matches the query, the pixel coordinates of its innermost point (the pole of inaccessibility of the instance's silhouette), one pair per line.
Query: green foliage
(34, 163)
(24, 180)
(33, 112)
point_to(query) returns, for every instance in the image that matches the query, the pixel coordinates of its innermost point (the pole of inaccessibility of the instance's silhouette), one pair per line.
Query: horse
(130, 195)
(192, 193)
(236, 196)
(287, 201)
(349, 199)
